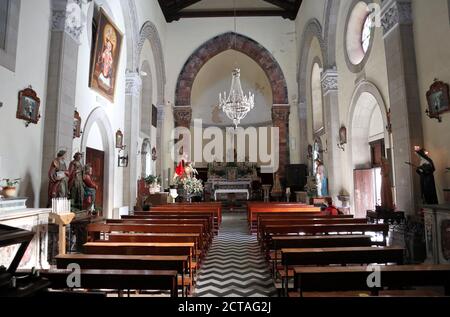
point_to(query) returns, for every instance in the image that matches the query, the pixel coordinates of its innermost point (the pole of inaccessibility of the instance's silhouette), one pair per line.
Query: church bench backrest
(117, 279)
(322, 279)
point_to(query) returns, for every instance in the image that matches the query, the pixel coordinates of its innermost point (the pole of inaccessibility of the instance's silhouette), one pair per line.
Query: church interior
(129, 167)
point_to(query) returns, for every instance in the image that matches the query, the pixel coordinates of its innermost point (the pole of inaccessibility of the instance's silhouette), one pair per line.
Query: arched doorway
(369, 142)
(98, 133)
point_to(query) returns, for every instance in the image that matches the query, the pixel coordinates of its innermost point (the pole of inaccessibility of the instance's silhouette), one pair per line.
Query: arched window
(366, 34)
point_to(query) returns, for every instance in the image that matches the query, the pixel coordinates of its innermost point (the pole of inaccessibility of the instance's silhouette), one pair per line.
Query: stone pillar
(131, 132)
(332, 127)
(303, 138)
(404, 97)
(160, 143)
(183, 116)
(66, 29)
(280, 119)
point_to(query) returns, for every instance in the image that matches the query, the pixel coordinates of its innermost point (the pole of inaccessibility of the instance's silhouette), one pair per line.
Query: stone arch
(330, 31)
(99, 116)
(365, 101)
(313, 29)
(150, 32)
(220, 44)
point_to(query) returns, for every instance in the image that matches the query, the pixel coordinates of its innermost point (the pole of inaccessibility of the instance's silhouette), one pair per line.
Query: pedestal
(35, 220)
(301, 197)
(437, 233)
(62, 220)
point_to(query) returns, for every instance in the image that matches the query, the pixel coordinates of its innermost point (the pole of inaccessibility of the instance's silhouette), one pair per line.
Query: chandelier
(236, 105)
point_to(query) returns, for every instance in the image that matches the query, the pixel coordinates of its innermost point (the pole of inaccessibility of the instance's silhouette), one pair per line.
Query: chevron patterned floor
(234, 266)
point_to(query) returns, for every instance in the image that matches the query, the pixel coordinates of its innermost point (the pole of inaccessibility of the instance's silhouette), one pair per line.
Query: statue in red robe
(90, 189)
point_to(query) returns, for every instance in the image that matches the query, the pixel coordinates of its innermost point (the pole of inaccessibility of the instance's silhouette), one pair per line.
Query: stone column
(160, 142)
(404, 97)
(303, 137)
(131, 132)
(332, 126)
(280, 119)
(183, 116)
(66, 28)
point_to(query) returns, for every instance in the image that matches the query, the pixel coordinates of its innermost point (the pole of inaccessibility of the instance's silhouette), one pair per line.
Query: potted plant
(10, 189)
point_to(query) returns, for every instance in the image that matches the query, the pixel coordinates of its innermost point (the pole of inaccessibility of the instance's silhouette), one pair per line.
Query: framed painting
(438, 100)
(105, 57)
(28, 107)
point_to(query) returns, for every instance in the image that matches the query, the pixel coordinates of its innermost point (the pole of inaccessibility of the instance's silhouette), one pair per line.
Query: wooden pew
(141, 248)
(270, 231)
(127, 262)
(342, 256)
(182, 214)
(202, 241)
(311, 221)
(117, 279)
(304, 242)
(354, 278)
(253, 210)
(215, 207)
(301, 215)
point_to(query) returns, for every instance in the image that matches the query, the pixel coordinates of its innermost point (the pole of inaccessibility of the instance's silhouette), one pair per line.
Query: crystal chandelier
(236, 105)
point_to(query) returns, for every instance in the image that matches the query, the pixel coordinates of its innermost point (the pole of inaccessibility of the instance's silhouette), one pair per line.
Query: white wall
(21, 147)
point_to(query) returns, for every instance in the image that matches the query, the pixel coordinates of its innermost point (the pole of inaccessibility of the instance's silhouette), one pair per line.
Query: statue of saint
(426, 170)
(90, 189)
(76, 186)
(58, 178)
(387, 202)
(322, 184)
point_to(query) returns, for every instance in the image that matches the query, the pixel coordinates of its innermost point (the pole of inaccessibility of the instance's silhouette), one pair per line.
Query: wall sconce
(122, 160)
(310, 152)
(154, 155)
(342, 138)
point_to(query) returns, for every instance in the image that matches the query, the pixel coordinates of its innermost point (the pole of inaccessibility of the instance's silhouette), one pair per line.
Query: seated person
(331, 210)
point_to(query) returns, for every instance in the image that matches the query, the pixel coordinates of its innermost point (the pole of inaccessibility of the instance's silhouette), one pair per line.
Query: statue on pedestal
(76, 186)
(322, 184)
(58, 178)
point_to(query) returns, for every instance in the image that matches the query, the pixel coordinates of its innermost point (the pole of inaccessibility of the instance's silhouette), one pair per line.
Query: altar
(231, 181)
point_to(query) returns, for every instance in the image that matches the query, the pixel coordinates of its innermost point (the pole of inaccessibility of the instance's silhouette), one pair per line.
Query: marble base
(11, 204)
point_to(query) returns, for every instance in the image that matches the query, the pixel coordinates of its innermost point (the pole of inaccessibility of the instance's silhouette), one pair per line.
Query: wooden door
(96, 159)
(364, 181)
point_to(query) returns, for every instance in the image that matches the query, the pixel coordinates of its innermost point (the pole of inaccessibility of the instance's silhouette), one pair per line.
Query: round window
(359, 35)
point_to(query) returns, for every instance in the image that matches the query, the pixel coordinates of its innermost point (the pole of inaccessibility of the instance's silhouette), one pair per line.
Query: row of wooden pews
(160, 250)
(315, 255)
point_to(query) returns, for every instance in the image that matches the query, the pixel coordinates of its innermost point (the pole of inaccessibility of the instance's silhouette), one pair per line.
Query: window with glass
(366, 35)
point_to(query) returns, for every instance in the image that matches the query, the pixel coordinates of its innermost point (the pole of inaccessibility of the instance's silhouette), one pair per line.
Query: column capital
(280, 114)
(395, 13)
(133, 83)
(182, 116)
(68, 17)
(329, 81)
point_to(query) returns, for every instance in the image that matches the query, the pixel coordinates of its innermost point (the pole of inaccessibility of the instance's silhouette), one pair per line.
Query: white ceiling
(207, 5)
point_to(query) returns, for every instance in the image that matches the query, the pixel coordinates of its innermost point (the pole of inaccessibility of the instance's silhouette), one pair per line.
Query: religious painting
(106, 55)
(438, 100)
(28, 108)
(76, 125)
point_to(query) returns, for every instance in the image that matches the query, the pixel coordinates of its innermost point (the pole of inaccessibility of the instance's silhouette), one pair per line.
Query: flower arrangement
(10, 190)
(11, 182)
(185, 176)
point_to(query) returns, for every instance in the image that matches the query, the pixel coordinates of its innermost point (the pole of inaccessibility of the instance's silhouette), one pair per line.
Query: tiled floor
(234, 266)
